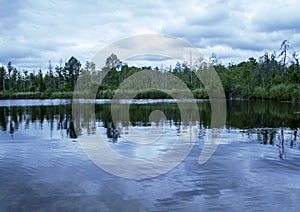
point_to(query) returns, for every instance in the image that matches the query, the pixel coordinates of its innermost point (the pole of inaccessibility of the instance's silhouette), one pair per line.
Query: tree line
(273, 76)
(56, 79)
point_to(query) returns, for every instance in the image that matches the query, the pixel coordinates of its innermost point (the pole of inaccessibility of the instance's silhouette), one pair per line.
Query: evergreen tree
(2, 78)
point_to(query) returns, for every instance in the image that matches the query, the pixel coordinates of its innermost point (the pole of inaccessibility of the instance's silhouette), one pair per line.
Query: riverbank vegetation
(273, 76)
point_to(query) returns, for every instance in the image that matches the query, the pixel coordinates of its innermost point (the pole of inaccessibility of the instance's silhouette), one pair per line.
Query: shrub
(259, 93)
(200, 94)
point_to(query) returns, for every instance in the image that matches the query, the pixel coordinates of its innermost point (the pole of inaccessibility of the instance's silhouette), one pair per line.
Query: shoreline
(145, 96)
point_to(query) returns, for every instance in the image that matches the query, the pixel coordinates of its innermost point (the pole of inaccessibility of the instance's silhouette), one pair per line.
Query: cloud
(282, 16)
(34, 32)
(10, 14)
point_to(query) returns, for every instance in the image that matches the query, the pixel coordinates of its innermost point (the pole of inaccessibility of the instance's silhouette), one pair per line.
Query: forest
(272, 76)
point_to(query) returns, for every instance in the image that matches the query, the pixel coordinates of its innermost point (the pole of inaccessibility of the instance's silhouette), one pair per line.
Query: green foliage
(284, 92)
(200, 94)
(62, 95)
(35, 95)
(152, 94)
(259, 93)
(265, 79)
(71, 72)
(105, 94)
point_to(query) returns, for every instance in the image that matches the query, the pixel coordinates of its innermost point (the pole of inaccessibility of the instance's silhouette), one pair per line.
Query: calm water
(43, 167)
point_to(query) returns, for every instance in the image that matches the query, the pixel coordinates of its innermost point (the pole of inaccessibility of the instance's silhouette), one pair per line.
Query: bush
(283, 92)
(200, 94)
(62, 95)
(295, 93)
(259, 93)
(105, 94)
(152, 94)
(240, 91)
(279, 92)
(36, 95)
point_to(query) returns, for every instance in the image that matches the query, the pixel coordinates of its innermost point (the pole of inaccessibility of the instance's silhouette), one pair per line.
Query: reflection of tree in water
(11, 128)
(11, 118)
(3, 119)
(71, 130)
(112, 133)
(256, 114)
(262, 119)
(294, 139)
(280, 144)
(267, 136)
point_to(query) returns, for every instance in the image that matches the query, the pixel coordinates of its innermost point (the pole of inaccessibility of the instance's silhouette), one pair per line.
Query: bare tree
(295, 61)
(284, 48)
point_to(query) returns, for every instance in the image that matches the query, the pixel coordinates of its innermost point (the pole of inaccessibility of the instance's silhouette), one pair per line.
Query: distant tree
(283, 54)
(26, 80)
(32, 82)
(9, 68)
(60, 76)
(263, 71)
(112, 66)
(213, 60)
(71, 72)
(13, 72)
(50, 76)
(2, 78)
(274, 68)
(293, 70)
(88, 76)
(20, 82)
(9, 71)
(40, 81)
(295, 61)
(113, 62)
(177, 67)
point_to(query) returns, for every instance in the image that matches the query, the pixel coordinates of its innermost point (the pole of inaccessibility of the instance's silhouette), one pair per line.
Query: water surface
(43, 167)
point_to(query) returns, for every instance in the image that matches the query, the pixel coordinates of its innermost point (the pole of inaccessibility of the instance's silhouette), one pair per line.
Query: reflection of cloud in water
(168, 135)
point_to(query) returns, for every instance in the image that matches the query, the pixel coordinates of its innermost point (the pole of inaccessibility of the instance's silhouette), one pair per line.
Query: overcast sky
(33, 32)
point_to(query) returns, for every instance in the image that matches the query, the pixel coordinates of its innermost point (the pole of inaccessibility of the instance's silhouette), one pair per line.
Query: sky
(32, 32)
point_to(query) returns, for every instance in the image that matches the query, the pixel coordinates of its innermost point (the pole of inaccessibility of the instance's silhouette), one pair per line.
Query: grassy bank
(36, 95)
(105, 94)
(279, 92)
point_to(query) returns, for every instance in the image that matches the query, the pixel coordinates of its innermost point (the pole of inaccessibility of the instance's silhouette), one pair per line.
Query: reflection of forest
(11, 118)
(271, 120)
(280, 137)
(251, 114)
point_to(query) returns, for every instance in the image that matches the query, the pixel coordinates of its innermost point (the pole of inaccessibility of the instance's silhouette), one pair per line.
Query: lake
(43, 165)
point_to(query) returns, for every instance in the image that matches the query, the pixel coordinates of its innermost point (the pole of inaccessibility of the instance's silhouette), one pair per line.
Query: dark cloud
(32, 32)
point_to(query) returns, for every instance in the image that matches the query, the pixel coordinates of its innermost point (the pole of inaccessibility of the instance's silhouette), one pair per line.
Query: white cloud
(34, 32)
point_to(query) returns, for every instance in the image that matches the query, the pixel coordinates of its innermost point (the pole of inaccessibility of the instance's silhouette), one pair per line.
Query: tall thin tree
(284, 48)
